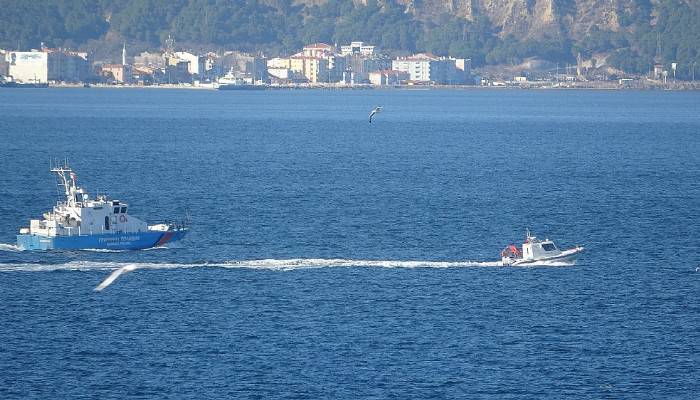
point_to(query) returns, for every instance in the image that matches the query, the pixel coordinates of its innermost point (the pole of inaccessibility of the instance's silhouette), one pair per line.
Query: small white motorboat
(536, 251)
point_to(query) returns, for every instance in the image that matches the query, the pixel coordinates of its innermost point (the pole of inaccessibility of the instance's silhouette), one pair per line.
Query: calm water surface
(331, 258)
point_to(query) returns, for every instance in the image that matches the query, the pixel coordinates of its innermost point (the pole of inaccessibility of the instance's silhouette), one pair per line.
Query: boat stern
(26, 241)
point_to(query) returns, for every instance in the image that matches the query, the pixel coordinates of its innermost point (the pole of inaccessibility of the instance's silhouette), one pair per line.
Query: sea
(333, 258)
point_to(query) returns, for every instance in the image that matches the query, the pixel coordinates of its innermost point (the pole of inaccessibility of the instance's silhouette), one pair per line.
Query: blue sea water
(333, 258)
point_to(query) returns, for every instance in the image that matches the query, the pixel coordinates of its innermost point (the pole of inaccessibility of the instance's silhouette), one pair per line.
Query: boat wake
(9, 247)
(12, 247)
(301, 263)
(104, 250)
(266, 264)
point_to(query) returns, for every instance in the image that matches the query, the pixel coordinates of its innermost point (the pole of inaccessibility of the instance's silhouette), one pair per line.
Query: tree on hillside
(283, 26)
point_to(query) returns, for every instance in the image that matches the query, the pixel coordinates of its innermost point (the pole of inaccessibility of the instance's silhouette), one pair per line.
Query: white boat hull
(566, 257)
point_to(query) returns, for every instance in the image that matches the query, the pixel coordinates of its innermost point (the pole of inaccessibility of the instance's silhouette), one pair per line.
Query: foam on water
(265, 264)
(169, 246)
(104, 250)
(12, 247)
(86, 266)
(9, 247)
(299, 263)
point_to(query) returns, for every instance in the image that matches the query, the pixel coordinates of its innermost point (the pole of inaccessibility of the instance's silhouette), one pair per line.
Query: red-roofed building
(315, 69)
(318, 50)
(118, 73)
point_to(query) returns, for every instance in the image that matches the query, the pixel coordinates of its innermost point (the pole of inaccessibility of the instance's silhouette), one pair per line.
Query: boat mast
(67, 179)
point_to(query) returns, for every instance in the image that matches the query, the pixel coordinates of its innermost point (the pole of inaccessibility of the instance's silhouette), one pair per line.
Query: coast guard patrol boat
(536, 251)
(81, 222)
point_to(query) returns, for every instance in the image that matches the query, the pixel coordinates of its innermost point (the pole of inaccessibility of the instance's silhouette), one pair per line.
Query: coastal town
(318, 65)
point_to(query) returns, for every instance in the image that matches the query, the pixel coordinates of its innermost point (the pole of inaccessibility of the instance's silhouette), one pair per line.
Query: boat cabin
(79, 214)
(532, 249)
(537, 249)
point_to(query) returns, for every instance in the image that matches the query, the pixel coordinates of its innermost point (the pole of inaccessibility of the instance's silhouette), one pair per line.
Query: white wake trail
(269, 264)
(262, 264)
(87, 266)
(302, 263)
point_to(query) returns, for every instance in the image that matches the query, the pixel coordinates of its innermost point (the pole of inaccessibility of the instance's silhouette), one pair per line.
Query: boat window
(116, 210)
(123, 210)
(548, 246)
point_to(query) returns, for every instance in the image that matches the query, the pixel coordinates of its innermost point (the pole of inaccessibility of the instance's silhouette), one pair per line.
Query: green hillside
(280, 26)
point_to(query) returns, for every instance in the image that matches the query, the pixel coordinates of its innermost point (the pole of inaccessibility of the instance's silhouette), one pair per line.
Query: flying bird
(114, 275)
(375, 111)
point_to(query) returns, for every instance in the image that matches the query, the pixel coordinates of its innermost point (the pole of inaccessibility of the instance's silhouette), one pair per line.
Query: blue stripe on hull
(565, 258)
(113, 241)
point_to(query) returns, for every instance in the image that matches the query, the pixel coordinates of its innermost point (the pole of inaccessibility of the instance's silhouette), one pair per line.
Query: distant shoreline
(690, 86)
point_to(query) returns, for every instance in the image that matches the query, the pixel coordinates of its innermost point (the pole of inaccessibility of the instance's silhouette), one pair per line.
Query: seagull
(114, 275)
(375, 111)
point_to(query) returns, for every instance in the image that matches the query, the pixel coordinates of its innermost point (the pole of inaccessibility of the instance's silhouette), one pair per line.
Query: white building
(417, 66)
(285, 74)
(357, 48)
(197, 64)
(47, 65)
(278, 63)
(29, 66)
(387, 77)
(425, 67)
(280, 73)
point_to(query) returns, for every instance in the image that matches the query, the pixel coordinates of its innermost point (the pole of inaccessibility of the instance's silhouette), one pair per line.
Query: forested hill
(488, 31)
